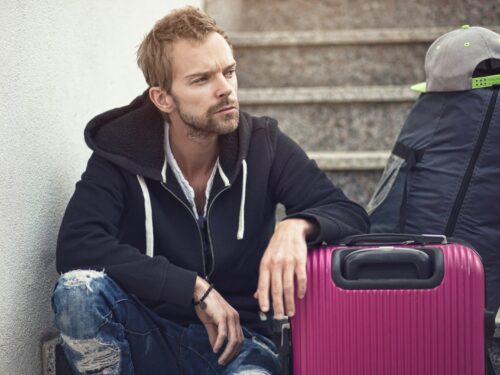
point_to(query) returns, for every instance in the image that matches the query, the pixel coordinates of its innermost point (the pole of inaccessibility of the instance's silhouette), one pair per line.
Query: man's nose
(224, 87)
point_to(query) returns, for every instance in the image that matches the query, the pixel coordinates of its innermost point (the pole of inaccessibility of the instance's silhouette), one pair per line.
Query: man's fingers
(277, 293)
(222, 323)
(301, 273)
(232, 347)
(221, 335)
(288, 291)
(263, 288)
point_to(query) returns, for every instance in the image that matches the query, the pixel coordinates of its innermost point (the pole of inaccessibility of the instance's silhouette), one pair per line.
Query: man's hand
(284, 258)
(221, 321)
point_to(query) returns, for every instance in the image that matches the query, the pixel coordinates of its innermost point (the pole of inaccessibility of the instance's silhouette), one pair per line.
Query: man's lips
(225, 109)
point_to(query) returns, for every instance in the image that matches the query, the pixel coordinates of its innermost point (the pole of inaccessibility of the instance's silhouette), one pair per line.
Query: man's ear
(163, 101)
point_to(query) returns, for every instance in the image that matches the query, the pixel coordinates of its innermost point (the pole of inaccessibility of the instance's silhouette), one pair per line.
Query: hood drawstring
(241, 223)
(148, 215)
(148, 207)
(164, 171)
(223, 175)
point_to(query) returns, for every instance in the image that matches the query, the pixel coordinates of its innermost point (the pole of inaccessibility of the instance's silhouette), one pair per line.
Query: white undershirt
(185, 186)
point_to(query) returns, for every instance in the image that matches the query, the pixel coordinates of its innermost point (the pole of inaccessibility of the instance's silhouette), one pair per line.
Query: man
(169, 246)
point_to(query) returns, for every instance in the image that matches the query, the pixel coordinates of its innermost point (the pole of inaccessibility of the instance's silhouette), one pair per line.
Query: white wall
(61, 63)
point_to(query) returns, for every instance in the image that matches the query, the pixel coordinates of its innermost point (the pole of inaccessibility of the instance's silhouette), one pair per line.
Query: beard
(210, 123)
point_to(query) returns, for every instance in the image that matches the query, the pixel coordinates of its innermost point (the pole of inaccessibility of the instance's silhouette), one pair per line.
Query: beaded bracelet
(201, 301)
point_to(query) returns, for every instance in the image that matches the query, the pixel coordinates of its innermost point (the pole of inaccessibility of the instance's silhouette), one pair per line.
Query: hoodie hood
(132, 137)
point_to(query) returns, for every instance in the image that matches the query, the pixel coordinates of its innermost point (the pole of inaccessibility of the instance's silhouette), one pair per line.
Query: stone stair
(339, 127)
(298, 15)
(336, 73)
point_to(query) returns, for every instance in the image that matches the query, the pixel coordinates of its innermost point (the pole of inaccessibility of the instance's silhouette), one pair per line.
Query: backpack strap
(412, 156)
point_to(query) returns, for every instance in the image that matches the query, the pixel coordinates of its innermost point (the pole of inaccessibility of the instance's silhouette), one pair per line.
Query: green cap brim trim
(419, 87)
(476, 83)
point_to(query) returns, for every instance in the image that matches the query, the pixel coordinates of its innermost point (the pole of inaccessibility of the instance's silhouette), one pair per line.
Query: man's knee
(82, 304)
(79, 278)
(78, 302)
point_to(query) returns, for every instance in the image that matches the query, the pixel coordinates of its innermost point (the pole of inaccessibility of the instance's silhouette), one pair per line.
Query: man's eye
(230, 73)
(200, 80)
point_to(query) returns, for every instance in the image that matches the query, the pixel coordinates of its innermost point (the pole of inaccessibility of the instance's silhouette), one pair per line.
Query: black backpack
(443, 176)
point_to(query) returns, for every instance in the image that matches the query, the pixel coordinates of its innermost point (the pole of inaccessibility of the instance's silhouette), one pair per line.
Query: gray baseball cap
(452, 58)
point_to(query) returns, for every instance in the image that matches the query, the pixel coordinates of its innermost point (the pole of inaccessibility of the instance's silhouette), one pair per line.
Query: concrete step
(288, 15)
(334, 119)
(378, 36)
(356, 173)
(356, 185)
(359, 185)
(325, 94)
(333, 58)
(53, 360)
(350, 160)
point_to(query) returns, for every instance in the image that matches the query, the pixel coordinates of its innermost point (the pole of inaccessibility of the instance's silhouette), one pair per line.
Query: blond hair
(154, 53)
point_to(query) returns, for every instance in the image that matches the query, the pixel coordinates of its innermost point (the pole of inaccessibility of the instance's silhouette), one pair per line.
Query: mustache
(225, 103)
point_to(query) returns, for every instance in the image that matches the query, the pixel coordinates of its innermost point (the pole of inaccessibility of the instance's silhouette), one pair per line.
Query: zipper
(208, 230)
(197, 226)
(452, 219)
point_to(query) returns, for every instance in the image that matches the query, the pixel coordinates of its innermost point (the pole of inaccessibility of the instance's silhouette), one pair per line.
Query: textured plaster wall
(62, 62)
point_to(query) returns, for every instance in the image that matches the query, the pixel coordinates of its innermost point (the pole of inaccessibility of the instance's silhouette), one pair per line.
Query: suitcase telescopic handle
(394, 263)
(387, 267)
(393, 239)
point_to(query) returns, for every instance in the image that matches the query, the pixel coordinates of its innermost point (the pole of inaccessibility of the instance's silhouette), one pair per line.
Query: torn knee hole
(94, 355)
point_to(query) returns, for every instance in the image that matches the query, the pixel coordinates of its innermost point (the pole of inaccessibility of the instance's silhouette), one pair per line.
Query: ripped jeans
(106, 331)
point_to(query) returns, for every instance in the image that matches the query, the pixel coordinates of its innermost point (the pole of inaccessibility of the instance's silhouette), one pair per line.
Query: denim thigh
(107, 331)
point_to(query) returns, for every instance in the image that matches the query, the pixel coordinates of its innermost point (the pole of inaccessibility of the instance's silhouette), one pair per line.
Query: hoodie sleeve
(88, 239)
(306, 192)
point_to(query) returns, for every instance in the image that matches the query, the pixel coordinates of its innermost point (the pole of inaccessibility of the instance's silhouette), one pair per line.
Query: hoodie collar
(132, 137)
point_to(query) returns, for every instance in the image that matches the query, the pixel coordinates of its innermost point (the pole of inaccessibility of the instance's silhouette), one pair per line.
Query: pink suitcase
(415, 308)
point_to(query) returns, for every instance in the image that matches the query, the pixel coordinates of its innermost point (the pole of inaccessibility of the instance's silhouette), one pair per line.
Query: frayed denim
(106, 331)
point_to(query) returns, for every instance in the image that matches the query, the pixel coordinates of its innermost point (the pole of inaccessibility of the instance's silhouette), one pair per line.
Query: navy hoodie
(129, 217)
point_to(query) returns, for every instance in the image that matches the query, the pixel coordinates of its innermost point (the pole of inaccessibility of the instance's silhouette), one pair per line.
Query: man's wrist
(201, 301)
(200, 287)
(307, 228)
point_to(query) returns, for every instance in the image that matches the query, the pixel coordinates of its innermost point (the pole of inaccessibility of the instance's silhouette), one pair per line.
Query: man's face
(204, 86)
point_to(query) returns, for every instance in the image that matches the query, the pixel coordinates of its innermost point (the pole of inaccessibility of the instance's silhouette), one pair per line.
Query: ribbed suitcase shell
(437, 331)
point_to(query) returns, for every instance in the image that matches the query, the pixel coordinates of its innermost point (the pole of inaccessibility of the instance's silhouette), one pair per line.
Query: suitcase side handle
(393, 239)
